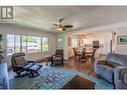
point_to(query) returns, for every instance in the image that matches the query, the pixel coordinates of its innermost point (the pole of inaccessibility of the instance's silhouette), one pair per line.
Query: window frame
(15, 43)
(42, 44)
(76, 42)
(28, 42)
(21, 43)
(7, 44)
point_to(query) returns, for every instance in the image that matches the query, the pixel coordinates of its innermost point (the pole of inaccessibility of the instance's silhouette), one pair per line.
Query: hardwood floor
(84, 67)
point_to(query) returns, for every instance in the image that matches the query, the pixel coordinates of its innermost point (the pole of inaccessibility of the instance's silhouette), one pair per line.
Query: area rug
(54, 78)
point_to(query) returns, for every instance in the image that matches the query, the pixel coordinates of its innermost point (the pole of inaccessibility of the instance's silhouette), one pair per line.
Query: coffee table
(79, 83)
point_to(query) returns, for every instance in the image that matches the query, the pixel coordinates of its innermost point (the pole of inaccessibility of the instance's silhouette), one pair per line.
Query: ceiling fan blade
(54, 28)
(68, 26)
(55, 24)
(63, 29)
(61, 19)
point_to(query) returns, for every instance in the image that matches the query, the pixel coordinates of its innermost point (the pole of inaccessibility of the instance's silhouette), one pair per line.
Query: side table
(48, 58)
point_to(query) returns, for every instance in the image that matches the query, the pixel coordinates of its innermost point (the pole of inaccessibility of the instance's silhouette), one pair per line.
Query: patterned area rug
(54, 78)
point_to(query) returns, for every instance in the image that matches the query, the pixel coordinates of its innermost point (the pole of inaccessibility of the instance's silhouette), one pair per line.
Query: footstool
(34, 70)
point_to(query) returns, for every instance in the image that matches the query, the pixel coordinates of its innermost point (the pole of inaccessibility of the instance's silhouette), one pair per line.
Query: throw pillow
(20, 60)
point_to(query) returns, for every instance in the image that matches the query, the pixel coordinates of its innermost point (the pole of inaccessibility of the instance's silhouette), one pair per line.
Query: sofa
(113, 69)
(4, 81)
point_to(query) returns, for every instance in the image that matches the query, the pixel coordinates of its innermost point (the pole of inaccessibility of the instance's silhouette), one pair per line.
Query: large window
(33, 44)
(45, 44)
(24, 43)
(74, 43)
(10, 44)
(27, 44)
(17, 43)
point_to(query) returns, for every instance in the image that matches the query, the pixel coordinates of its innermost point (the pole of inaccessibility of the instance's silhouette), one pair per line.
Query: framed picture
(96, 42)
(122, 39)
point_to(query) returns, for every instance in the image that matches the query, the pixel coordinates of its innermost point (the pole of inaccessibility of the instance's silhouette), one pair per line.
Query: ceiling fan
(60, 27)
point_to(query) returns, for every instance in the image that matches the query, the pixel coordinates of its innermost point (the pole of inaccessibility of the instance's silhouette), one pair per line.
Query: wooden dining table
(84, 53)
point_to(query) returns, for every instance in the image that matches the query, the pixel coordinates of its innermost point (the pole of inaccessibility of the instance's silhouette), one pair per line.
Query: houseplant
(1, 49)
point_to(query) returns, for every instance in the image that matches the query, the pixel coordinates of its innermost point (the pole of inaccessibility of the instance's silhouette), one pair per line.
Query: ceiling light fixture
(60, 29)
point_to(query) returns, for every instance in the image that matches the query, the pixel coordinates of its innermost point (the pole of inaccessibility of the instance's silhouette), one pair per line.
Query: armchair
(58, 58)
(23, 67)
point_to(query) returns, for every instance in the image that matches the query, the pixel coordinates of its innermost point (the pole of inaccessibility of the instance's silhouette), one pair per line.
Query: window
(17, 43)
(45, 44)
(74, 43)
(33, 44)
(10, 44)
(24, 43)
(82, 42)
(27, 44)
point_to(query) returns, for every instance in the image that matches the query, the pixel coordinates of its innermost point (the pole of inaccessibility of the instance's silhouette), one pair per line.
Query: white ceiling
(80, 17)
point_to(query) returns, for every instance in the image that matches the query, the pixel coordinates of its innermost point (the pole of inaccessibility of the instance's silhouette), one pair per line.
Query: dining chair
(83, 56)
(91, 56)
(76, 54)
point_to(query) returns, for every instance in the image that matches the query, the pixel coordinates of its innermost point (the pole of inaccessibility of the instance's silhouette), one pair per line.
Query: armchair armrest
(125, 78)
(97, 63)
(17, 66)
(100, 62)
(31, 61)
(119, 73)
(53, 55)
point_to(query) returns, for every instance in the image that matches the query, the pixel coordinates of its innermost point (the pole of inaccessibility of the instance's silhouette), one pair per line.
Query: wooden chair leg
(93, 60)
(62, 62)
(52, 63)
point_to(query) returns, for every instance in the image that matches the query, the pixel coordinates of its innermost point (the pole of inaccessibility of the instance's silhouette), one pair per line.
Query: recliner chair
(23, 67)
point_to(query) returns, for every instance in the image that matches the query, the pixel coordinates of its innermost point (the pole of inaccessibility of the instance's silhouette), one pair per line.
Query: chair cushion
(125, 78)
(20, 60)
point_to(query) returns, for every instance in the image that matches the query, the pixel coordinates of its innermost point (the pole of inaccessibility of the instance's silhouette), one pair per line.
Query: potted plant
(1, 49)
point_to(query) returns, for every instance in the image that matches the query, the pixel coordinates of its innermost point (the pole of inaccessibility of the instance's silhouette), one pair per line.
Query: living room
(39, 36)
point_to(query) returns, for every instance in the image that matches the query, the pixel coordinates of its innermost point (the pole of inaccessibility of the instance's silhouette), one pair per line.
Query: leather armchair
(23, 67)
(58, 58)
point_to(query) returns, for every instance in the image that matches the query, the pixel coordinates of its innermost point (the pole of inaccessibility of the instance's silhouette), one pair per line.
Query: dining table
(87, 51)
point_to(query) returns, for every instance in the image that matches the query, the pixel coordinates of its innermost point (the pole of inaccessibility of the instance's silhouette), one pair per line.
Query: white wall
(70, 49)
(104, 37)
(13, 29)
(121, 48)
